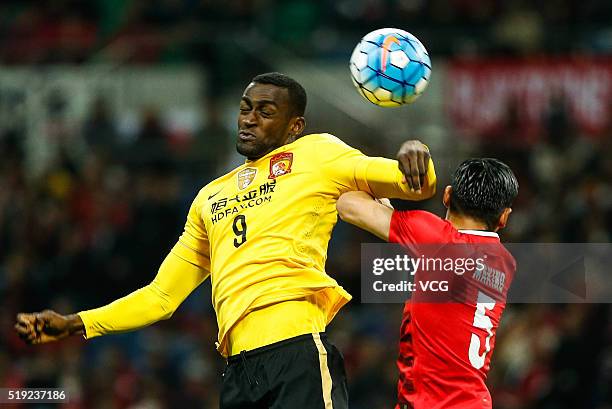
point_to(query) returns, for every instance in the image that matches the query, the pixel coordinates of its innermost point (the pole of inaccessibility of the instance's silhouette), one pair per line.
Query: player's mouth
(246, 136)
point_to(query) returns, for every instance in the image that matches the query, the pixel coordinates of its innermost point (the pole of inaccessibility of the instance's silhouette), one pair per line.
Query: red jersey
(445, 347)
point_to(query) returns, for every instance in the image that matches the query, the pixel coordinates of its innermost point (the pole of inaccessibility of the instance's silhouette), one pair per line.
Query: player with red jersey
(446, 345)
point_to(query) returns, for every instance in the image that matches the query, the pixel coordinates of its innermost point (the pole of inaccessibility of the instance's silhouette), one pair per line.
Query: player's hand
(413, 158)
(47, 326)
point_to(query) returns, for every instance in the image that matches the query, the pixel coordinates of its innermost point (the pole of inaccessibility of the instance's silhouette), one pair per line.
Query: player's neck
(461, 222)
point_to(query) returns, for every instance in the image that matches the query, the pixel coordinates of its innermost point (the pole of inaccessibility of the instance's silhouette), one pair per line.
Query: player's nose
(248, 119)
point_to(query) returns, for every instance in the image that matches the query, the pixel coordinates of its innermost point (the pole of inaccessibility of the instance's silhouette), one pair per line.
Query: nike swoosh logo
(214, 194)
(385, 51)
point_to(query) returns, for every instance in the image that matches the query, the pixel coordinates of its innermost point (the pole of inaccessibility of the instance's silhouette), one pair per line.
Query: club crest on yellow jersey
(246, 177)
(280, 164)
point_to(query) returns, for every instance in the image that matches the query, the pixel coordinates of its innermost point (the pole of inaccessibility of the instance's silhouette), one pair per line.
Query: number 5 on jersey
(481, 321)
(240, 230)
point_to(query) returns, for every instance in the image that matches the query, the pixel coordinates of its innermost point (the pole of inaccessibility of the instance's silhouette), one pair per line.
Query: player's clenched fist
(413, 160)
(47, 326)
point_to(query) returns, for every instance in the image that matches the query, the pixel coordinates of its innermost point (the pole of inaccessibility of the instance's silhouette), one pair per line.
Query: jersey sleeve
(349, 169)
(193, 246)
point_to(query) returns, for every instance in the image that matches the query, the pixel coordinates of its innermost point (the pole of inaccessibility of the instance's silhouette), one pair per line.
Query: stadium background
(115, 112)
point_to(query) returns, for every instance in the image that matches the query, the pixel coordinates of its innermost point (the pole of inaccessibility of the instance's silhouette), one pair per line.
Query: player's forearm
(361, 210)
(382, 178)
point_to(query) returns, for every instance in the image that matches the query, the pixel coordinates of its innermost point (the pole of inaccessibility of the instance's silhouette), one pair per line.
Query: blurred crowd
(74, 31)
(97, 221)
(92, 227)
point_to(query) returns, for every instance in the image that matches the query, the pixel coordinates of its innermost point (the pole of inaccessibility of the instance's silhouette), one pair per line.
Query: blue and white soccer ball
(390, 67)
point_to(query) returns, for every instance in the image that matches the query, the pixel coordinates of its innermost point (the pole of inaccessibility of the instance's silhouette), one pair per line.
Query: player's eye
(268, 110)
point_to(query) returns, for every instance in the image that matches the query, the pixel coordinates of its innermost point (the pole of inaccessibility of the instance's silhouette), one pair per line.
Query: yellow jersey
(261, 232)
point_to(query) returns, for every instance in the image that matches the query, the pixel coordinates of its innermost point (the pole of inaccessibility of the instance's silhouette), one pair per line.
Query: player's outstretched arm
(175, 280)
(362, 210)
(348, 170)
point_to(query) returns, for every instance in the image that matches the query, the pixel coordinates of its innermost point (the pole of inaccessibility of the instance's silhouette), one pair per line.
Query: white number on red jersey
(481, 321)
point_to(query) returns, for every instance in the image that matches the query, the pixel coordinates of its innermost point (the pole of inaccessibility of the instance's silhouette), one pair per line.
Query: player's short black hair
(482, 188)
(297, 93)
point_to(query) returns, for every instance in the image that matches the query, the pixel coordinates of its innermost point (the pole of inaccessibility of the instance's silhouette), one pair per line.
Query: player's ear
(297, 126)
(503, 218)
(446, 197)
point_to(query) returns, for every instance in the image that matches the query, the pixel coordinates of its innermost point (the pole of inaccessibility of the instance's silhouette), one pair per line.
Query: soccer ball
(390, 67)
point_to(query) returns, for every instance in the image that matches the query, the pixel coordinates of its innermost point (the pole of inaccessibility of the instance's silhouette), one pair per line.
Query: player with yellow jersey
(260, 233)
